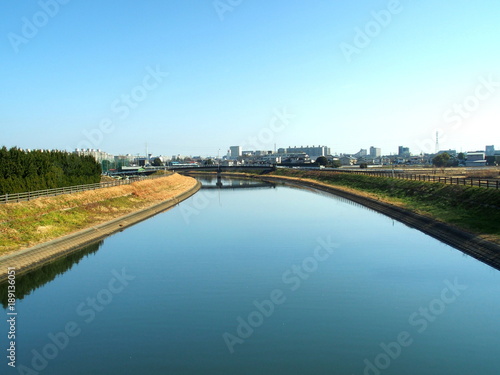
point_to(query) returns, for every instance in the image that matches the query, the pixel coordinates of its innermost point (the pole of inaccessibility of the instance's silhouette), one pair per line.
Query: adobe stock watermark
(223, 6)
(420, 320)
(123, 106)
(455, 116)
(265, 137)
(372, 29)
(293, 279)
(86, 310)
(201, 200)
(30, 26)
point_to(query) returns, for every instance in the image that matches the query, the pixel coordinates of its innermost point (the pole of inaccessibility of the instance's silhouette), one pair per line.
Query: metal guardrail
(29, 195)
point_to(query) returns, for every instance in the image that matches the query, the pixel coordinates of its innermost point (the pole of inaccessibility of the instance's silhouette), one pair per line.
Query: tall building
(375, 152)
(235, 151)
(361, 153)
(490, 150)
(404, 151)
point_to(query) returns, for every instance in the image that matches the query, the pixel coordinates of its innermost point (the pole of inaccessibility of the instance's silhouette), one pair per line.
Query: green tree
(336, 164)
(441, 160)
(322, 161)
(37, 170)
(156, 162)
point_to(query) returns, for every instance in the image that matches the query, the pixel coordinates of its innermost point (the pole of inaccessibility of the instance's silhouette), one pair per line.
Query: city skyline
(191, 78)
(371, 151)
(377, 151)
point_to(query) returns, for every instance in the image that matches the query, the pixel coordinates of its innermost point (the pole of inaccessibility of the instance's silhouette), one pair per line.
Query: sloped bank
(31, 258)
(29, 223)
(465, 241)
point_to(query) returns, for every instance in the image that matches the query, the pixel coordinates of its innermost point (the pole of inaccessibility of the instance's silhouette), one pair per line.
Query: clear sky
(193, 77)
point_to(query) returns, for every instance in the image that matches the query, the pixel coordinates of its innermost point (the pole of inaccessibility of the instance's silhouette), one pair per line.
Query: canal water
(263, 280)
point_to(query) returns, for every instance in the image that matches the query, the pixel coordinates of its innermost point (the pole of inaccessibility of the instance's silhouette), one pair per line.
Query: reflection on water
(27, 283)
(218, 182)
(272, 281)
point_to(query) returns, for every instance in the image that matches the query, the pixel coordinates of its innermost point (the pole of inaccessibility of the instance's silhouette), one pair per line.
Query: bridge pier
(219, 178)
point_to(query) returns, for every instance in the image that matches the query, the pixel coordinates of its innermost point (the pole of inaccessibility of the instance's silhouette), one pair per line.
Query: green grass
(471, 208)
(28, 222)
(29, 225)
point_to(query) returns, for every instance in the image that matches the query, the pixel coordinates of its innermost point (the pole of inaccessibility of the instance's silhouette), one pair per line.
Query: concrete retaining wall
(36, 256)
(469, 243)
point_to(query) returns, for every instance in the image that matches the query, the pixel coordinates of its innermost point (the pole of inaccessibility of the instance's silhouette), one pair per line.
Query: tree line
(22, 171)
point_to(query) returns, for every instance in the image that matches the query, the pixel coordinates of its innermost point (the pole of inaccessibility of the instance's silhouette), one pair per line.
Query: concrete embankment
(36, 256)
(469, 243)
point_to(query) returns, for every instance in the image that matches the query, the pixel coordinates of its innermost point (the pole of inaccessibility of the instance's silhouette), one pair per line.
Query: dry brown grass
(25, 224)
(483, 173)
(107, 179)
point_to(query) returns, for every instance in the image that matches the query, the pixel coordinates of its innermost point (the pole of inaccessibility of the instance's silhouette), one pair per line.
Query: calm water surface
(271, 280)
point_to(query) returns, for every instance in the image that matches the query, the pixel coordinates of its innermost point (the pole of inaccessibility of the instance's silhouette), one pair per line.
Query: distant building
(348, 160)
(269, 159)
(404, 152)
(295, 158)
(375, 152)
(123, 160)
(417, 160)
(97, 154)
(490, 150)
(141, 161)
(235, 151)
(229, 163)
(263, 152)
(314, 152)
(475, 159)
(361, 153)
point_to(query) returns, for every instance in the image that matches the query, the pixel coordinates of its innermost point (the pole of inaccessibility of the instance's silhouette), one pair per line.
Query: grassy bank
(25, 224)
(470, 208)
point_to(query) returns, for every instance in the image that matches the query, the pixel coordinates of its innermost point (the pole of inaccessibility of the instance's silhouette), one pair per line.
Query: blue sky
(194, 77)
